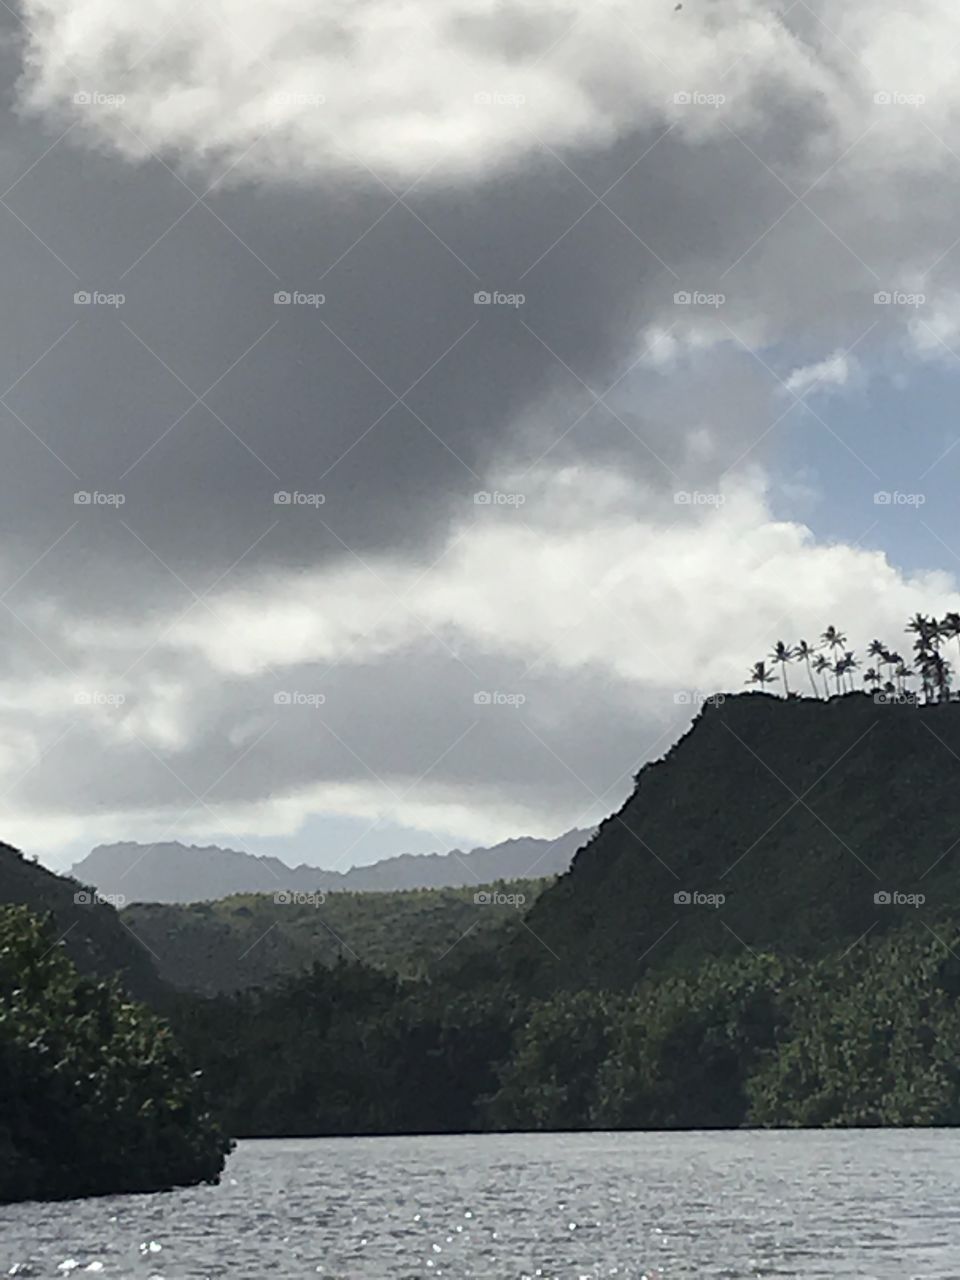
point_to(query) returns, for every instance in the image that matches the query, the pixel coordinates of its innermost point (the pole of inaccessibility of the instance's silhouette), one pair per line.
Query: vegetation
(764, 934)
(92, 935)
(252, 940)
(867, 1038)
(831, 658)
(95, 1097)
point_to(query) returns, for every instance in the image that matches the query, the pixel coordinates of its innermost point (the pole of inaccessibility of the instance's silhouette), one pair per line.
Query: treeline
(871, 1037)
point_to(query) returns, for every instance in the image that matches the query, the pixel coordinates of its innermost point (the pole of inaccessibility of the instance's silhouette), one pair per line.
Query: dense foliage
(865, 1038)
(95, 1096)
(256, 939)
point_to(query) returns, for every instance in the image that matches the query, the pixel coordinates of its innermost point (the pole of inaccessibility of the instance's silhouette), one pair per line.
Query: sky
(409, 412)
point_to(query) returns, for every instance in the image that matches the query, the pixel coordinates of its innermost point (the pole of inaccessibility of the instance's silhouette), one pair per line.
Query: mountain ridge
(172, 872)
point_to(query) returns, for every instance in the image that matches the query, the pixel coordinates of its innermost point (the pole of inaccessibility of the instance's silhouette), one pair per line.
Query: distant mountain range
(175, 872)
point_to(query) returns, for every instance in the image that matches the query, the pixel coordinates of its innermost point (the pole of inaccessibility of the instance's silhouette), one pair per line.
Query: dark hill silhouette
(90, 931)
(173, 872)
(798, 811)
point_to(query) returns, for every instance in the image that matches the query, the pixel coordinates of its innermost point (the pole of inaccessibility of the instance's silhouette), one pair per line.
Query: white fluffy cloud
(302, 86)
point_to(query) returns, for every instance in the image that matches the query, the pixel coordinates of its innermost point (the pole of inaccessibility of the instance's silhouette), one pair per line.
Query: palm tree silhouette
(822, 667)
(804, 651)
(782, 654)
(833, 639)
(760, 675)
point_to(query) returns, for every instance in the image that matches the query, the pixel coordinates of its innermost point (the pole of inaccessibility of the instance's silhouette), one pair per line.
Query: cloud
(835, 371)
(300, 88)
(450, 696)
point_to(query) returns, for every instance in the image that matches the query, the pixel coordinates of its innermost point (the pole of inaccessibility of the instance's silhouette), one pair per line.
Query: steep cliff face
(771, 824)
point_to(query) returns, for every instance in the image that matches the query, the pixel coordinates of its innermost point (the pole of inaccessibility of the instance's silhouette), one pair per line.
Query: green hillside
(797, 811)
(253, 940)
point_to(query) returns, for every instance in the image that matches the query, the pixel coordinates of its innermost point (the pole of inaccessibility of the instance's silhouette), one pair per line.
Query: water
(506, 1207)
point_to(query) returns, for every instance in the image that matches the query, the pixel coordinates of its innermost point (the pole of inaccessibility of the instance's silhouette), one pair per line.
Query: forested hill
(89, 930)
(798, 811)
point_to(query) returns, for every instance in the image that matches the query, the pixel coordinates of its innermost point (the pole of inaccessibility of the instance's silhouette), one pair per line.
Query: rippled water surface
(584, 1206)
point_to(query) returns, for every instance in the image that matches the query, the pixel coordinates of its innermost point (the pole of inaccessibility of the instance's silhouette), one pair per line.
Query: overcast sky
(677, 407)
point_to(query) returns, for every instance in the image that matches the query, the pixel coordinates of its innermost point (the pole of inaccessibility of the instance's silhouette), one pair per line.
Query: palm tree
(760, 675)
(850, 664)
(804, 651)
(871, 678)
(877, 649)
(782, 654)
(822, 667)
(921, 627)
(833, 639)
(903, 673)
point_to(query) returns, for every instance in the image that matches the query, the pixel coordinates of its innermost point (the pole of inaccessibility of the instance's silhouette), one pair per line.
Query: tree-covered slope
(255, 940)
(798, 812)
(89, 929)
